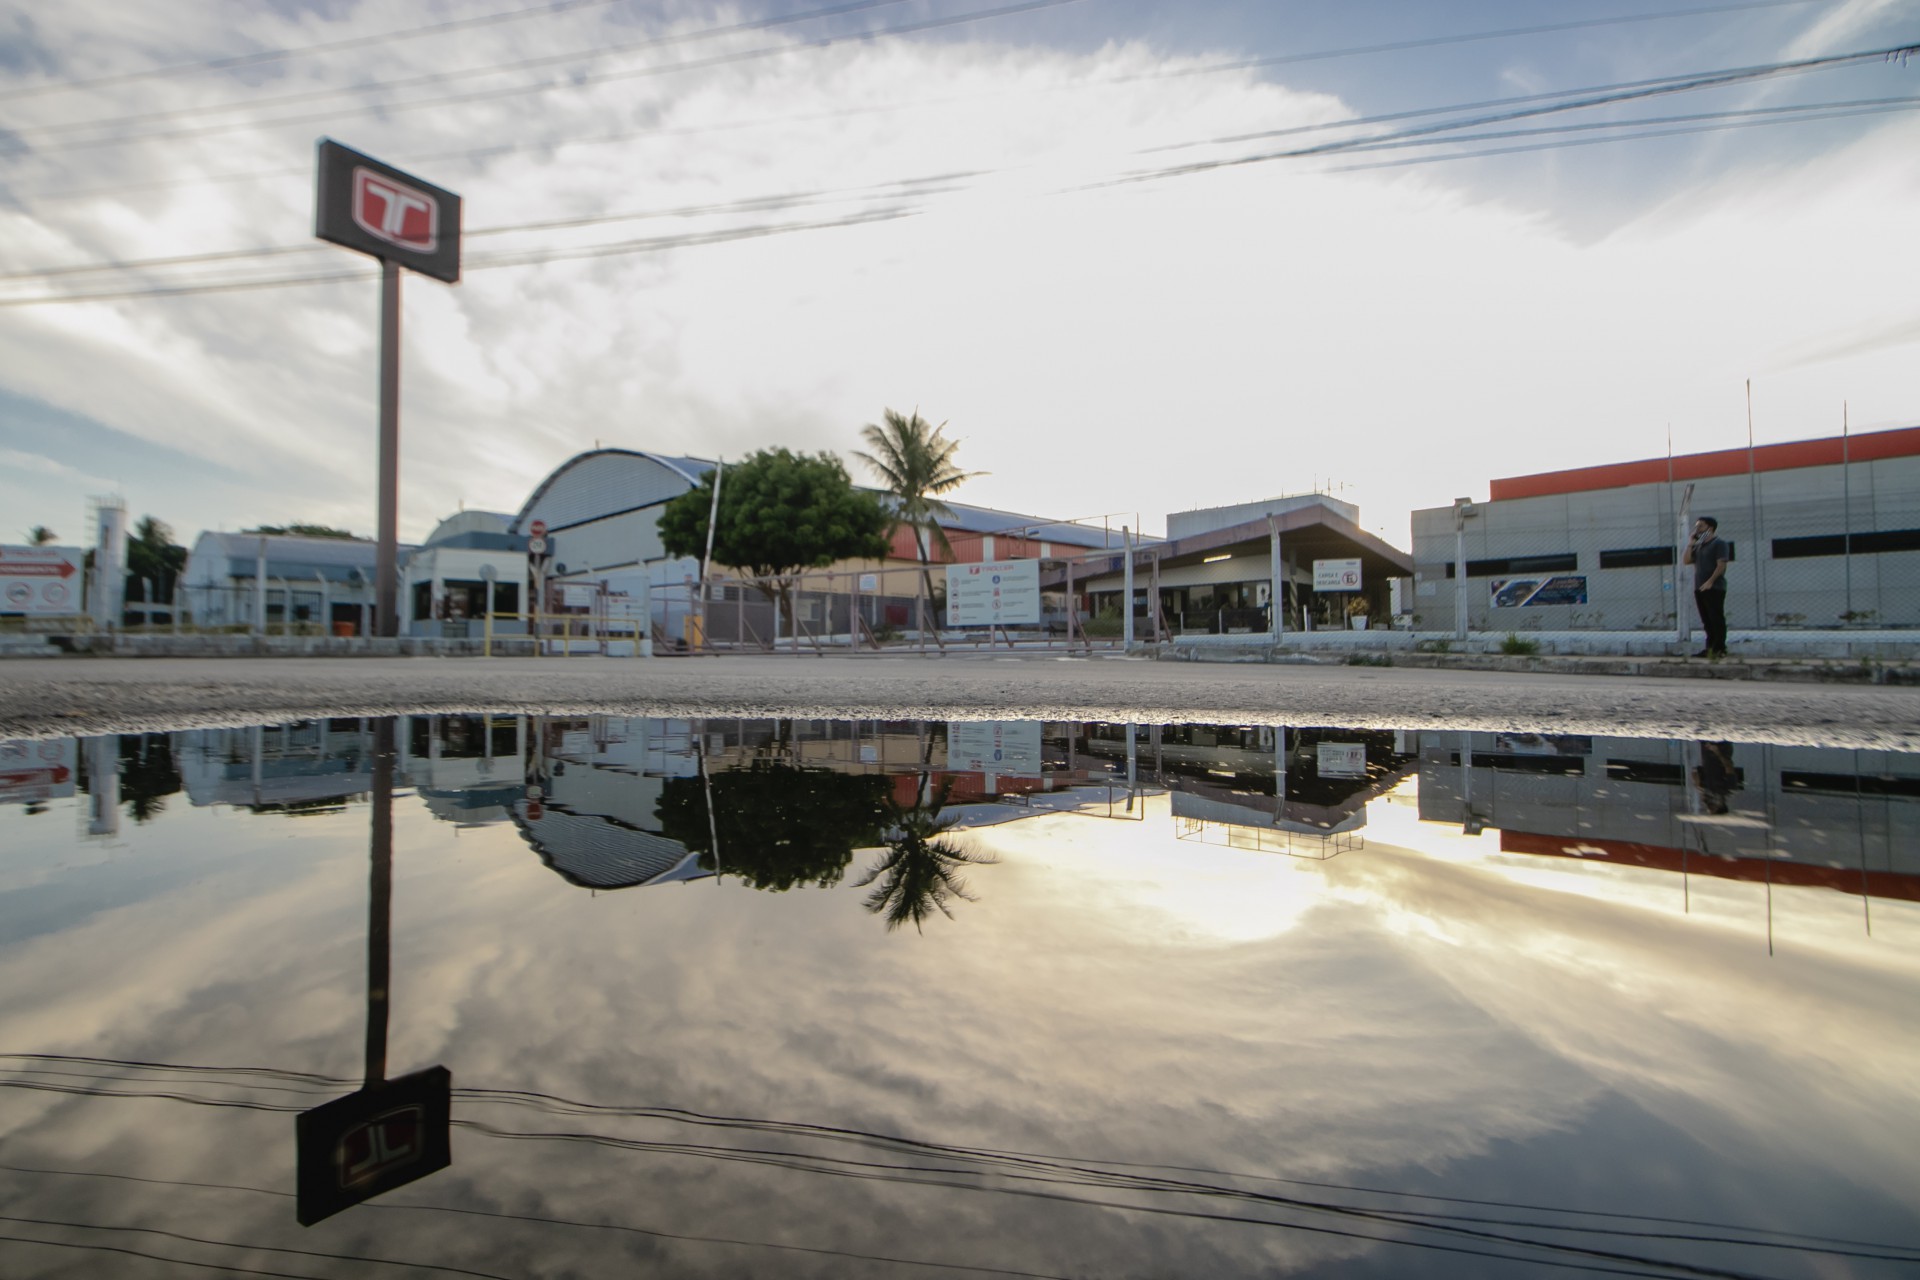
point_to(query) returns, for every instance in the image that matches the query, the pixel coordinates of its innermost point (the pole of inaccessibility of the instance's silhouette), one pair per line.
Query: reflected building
(1833, 817)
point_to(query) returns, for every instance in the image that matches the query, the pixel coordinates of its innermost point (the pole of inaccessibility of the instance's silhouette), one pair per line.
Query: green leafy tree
(153, 557)
(914, 461)
(41, 536)
(780, 513)
(306, 531)
(920, 873)
(778, 826)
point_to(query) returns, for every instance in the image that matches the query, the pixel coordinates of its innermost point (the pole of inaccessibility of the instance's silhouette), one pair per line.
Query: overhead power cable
(653, 244)
(929, 184)
(595, 53)
(261, 56)
(494, 95)
(473, 153)
(1682, 84)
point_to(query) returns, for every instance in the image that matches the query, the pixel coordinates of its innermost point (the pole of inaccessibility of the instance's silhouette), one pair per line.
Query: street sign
(996, 593)
(41, 581)
(536, 545)
(1336, 575)
(378, 209)
(538, 528)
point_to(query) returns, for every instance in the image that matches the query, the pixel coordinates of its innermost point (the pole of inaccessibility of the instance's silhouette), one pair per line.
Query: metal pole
(380, 902)
(386, 571)
(1846, 509)
(1753, 518)
(260, 590)
(1126, 609)
(1276, 573)
(1460, 568)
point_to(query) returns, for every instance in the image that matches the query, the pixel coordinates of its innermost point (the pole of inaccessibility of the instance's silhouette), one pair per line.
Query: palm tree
(921, 871)
(41, 536)
(915, 463)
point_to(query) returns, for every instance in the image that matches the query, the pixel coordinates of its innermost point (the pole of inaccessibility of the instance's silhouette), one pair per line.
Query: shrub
(1516, 645)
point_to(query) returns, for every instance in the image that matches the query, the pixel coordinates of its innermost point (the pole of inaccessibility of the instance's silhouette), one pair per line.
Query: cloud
(1287, 327)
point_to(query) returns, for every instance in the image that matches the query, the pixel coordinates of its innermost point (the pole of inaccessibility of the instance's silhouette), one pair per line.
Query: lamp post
(1463, 511)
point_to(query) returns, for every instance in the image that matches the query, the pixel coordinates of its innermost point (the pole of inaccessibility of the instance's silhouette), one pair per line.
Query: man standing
(1707, 553)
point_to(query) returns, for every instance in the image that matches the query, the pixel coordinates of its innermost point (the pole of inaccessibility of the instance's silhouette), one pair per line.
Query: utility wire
(931, 184)
(592, 54)
(1102, 82)
(1710, 80)
(494, 95)
(279, 55)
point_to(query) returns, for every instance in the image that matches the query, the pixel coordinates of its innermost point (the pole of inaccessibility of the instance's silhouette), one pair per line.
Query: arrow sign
(13, 569)
(33, 777)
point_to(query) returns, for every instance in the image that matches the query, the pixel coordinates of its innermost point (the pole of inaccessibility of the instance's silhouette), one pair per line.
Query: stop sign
(538, 528)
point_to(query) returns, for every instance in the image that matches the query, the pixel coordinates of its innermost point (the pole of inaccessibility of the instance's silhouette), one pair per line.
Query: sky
(1060, 227)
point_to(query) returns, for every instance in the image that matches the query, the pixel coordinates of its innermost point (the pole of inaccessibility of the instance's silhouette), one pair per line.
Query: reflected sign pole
(373, 208)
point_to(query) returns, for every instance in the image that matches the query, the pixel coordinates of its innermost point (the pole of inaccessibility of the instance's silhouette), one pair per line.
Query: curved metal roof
(687, 471)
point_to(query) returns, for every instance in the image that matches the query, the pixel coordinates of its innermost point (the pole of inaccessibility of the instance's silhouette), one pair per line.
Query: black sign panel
(368, 1143)
(377, 209)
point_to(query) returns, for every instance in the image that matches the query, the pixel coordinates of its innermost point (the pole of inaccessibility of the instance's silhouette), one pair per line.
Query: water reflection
(1146, 1023)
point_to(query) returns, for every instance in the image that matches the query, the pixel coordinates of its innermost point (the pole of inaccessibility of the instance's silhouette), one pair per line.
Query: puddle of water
(540, 997)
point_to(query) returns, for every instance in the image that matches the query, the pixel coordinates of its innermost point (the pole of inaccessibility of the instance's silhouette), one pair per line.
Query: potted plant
(1357, 610)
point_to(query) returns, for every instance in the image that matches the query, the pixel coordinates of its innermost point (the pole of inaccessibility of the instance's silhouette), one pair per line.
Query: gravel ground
(47, 697)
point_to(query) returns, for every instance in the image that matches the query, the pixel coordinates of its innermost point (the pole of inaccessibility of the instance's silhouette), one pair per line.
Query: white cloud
(1126, 349)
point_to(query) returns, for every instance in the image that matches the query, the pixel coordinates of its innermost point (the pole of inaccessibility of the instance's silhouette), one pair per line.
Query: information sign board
(32, 772)
(41, 581)
(1340, 759)
(996, 593)
(1336, 575)
(1004, 747)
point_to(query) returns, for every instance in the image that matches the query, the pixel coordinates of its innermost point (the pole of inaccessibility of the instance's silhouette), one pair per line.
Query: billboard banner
(1336, 575)
(1003, 747)
(996, 593)
(1527, 593)
(375, 208)
(33, 772)
(42, 581)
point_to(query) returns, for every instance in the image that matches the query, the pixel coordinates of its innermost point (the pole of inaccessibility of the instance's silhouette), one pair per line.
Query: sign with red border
(375, 208)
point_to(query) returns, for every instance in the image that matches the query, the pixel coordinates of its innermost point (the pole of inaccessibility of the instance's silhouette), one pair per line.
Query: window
(1836, 544)
(1637, 558)
(1519, 564)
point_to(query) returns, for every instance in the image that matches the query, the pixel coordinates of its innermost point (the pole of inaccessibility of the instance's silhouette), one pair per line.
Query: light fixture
(1217, 559)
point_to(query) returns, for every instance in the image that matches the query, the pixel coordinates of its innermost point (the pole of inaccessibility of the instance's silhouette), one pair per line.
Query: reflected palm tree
(921, 872)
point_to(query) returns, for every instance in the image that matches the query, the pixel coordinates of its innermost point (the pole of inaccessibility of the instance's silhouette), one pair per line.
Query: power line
(529, 258)
(785, 200)
(278, 55)
(1679, 84)
(590, 54)
(1209, 69)
(494, 95)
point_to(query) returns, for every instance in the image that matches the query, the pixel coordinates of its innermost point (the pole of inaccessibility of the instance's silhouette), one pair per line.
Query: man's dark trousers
(1713, 618)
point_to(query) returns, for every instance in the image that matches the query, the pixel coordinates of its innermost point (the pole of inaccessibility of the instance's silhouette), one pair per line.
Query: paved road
(46, 697)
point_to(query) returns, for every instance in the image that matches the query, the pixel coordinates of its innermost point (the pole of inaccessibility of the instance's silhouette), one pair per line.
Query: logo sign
(375, 208)
(41, 581)
(1336, 575)
(371, 1142)
(1002, 592)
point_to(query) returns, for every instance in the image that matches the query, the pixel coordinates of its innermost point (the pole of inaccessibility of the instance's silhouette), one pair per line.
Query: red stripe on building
(1903, 443)
(1877, 884)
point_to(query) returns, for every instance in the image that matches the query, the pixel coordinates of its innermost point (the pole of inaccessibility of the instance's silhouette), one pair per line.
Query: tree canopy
(153, 558)
(306, 531)
(779, 826)
(41, 536)
(914, 460)
(780, 513)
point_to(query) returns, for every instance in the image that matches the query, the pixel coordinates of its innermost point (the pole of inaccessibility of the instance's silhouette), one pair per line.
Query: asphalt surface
(55, 697)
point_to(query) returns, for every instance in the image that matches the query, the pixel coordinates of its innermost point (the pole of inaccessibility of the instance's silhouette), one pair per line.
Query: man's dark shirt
(1708, 556)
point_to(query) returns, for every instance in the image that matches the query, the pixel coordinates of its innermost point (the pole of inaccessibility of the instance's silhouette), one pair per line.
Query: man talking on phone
(1707, 553)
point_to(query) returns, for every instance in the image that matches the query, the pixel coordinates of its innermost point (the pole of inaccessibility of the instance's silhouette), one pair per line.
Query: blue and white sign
(996, 593)
(1000, 747)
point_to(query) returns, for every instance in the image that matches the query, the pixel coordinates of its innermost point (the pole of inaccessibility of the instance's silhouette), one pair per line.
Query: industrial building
(1825, 535)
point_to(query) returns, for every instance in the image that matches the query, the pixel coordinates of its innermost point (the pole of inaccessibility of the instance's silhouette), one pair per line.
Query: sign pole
(387, 558)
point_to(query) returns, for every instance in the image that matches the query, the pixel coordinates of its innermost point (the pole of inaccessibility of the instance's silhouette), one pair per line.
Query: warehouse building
(1825, 535)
